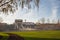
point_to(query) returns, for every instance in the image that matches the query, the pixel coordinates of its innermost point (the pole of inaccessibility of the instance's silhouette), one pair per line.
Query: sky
(47, 9)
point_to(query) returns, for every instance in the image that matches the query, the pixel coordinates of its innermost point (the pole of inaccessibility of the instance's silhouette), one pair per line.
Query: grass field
(36, 35)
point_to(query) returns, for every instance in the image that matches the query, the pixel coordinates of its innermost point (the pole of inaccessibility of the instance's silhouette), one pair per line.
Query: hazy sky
(47, 9)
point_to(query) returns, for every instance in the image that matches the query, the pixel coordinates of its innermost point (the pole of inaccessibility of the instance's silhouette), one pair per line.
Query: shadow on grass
(30, 38)
(11, 37)
(17, 37)
(14, 37)
(3, 37)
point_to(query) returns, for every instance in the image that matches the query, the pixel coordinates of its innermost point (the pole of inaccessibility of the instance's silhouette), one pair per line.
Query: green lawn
(5, 36)
(37, 35)
(33, 35)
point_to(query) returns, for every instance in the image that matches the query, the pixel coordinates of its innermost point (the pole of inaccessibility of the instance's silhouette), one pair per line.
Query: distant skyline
(47, 9)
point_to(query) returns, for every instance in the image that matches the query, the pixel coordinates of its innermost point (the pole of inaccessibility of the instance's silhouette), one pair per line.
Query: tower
(18, 24)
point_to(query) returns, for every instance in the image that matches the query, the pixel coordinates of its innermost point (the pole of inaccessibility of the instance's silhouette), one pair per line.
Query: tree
(38, 22)
(58, 21)
(43, 20)
(48, 20)
(1, 20)
(12, 5)
(53, 21)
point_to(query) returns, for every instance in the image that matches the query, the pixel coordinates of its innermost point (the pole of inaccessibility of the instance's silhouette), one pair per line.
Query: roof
(28, 23)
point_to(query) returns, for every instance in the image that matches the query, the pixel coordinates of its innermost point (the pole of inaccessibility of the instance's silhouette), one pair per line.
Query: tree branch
(4, 4)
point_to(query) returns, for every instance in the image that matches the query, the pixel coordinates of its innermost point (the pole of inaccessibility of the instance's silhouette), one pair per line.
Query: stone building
(18, 24)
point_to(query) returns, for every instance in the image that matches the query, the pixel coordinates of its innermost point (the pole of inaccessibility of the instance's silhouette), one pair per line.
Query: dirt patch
(14, 37)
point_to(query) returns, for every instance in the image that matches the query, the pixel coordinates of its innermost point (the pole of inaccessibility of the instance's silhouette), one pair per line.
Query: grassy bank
(33, 35)
(36, 35)
(3, 36)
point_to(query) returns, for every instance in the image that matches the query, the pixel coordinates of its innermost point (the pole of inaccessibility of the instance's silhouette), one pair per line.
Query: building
(18, 24)
(28, 25)
(3, 26)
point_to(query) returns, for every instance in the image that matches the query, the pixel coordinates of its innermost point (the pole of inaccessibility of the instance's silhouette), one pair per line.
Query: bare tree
(12, 5)
(48, 20)
(58, 21)
(43, 20)
(38, 22)
(1, 20)
(53, 21)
